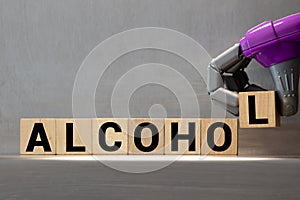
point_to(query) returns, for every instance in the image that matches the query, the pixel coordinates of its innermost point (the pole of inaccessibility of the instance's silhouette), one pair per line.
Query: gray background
(43, 43)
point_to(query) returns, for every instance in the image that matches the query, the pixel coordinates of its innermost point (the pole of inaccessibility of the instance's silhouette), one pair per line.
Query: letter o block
(146, 136)
(219, 136)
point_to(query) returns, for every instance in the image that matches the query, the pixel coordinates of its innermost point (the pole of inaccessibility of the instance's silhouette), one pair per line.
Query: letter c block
(110, 136)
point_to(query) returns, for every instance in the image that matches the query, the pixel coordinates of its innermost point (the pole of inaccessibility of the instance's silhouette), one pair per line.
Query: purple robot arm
(275, 45)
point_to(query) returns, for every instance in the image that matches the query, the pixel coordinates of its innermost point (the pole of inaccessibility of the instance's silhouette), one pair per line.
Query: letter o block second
(219, 136)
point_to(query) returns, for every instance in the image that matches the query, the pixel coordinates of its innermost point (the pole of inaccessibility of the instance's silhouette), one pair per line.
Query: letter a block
(110, 136)
(37, 136)
(258, 110)
(182, 136)
(219, 136)
(74, 136)
(146, 136)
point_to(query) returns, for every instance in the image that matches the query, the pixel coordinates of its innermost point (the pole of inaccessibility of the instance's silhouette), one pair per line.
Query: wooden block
(146, 136)
(182, 136)
(258, 110)
(37, 136)
(110, 136)
(74, 136)
(219, 136)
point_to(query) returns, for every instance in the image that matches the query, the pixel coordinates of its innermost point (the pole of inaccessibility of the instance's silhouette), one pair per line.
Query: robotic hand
(275, 45)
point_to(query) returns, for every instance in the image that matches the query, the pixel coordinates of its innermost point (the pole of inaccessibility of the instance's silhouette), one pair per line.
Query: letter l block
(258, 110)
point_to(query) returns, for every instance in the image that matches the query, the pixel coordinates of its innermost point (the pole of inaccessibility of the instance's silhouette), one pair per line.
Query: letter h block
(258, 110)
(182, 136)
